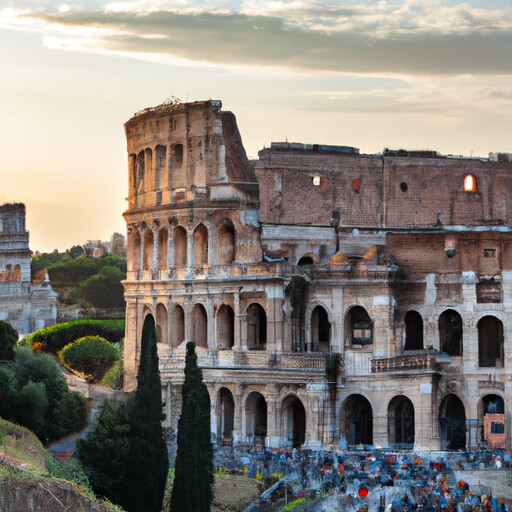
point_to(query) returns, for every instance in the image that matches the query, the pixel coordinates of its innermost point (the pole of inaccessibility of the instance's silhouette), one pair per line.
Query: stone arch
(309, 258)
(162, 335)
(132, 171)
(256, 417)
(225, 327)
(359, 326)
(177, 326)
(320, 330)
(180, 247)
(452, 419)
(293, 421)
(490, 342)
(450, 332)
(226, 244)
(17, 273)
(200, 245)
(199, 326)
(356, 420)
(225, 415)
(147, 259)
(401, 422)
(163, 236)
(134, 246)
(413, 331)
(256, 327)
(491, 419)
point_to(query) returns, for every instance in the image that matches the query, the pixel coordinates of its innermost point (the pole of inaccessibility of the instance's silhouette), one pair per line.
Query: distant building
(118, 245)
(26, 306)
(333, 297)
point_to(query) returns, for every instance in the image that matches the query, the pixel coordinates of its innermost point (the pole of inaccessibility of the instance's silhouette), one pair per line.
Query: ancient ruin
(26, 306)
(334, 297)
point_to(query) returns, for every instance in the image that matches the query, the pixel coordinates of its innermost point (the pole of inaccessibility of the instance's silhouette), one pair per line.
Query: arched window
(307, 259)
(256, 327)
(139, 186)
(356, 420)
(161, 324)
(320, 330)
(134, 241)
(177, 326)
(225, 416)
(200, 246)
(256, 419)
(359, 325)
(162, 248)
(178, 154)
(293, 421)
(401, 422)
(225, 327)
(199, 326)
(226, 248)
(180, 247)
(469, 183)
(148, 250)
(413, 331)
(490, 342)
(452, 418)
(160, 165)
(450, 332)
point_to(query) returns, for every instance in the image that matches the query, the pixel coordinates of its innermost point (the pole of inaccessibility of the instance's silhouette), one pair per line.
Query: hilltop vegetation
(84, 280)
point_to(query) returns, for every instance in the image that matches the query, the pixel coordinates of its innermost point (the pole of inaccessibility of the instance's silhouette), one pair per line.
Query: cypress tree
(149, 462)
(193, 479)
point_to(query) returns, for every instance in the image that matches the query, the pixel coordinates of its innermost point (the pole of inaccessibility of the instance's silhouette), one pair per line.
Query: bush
(104, 290)
(55, 338)
(92, 355)
(114, 378)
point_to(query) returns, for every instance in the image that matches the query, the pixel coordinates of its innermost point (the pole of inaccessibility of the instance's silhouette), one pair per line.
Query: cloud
(407, 37)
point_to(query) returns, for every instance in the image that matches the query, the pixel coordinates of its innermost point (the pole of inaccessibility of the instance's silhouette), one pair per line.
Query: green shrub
(114, 378)
(55, 338)
(92, 355)
(8, 340)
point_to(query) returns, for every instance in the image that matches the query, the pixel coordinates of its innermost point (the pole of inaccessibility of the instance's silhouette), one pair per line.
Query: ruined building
(333, 296)
(26, 306)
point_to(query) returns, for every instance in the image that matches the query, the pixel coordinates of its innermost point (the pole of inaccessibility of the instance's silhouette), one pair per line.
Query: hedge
(91, 355)
(55, 338)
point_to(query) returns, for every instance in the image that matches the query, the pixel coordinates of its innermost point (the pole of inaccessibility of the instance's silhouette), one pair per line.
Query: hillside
(25, 481)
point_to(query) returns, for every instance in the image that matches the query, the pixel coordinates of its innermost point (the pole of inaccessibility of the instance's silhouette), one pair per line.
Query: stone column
(154, 264)
(170, 249)
(238, 435)
(190, 251)
(237, 328)
(272, 439)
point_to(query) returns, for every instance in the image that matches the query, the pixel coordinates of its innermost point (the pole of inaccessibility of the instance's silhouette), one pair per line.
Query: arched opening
(307, 259)
(148, 250)
(490, 342)
(148, 155)
(452, 417)
(180, 247)
(177, 326)
(256, 419)
(199, 326)
(140, 173)
(356, 420)
(226, 249)
(401, 422)
(293, 426)
(200, 246)
(320, 330)
(469, 183)
(162, 248)
(132, 172)
(450, 332)
(491, 419)
(161, 324)
(298, 293)
(256, 327)
(17, 273)
(178, 154)
(359, 326)
(136, 245)
(225, 417)
(160, 165)
(225, 327)
(413, 331)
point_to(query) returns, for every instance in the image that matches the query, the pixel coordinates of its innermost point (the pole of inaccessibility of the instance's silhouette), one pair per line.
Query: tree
(8, 340)
(193, 478)
(104, 290)
(125, 455)
(75, 251)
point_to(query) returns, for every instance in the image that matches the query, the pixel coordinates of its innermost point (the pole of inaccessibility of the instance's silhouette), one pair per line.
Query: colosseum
(334, 297)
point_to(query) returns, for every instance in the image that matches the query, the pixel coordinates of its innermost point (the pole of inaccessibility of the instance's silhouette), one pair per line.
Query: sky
(413, 74)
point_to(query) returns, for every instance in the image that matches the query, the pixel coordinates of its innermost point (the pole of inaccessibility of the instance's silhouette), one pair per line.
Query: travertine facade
(27, 307)
(332, 296)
